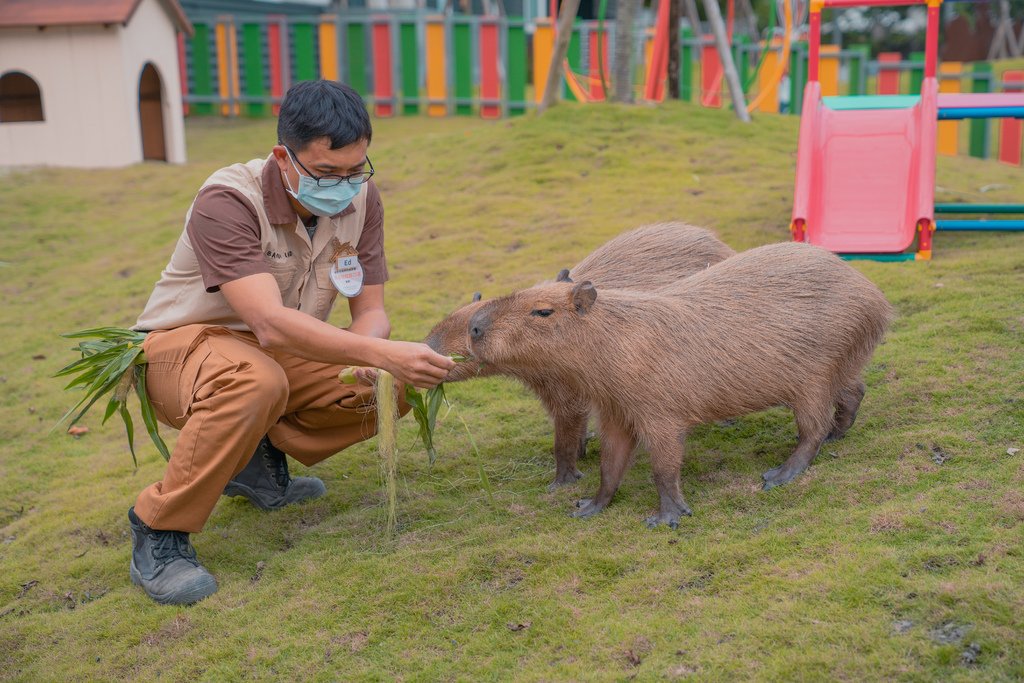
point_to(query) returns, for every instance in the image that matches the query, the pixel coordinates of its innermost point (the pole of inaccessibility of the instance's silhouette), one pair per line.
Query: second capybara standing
(650, 257)
(785, 324)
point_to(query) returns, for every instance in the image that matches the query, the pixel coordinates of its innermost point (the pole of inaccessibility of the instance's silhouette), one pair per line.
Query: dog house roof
(40, 13)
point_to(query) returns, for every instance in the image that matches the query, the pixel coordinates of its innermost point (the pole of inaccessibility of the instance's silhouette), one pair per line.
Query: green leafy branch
(111, 362)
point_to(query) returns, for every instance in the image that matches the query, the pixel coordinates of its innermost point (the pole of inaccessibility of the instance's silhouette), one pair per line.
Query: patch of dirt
(902, 625)
(169, 632)
(641, 647)
(353, 642)
(887, 523)
(1012, 505)
(949, 633)
(698, 582)
(938, 455)
(970, 655)
(936, 564)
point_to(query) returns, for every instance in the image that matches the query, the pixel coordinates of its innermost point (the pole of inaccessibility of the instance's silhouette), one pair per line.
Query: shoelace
(278, 466)
(172, 545)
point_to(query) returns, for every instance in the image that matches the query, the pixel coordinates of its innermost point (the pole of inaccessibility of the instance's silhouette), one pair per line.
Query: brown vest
(301, 268)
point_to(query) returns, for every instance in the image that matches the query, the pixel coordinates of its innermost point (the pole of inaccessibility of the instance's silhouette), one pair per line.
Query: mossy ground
(904, 535)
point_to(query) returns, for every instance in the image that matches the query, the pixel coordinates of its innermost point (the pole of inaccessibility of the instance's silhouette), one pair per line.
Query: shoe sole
(180, 598)
(236, 490)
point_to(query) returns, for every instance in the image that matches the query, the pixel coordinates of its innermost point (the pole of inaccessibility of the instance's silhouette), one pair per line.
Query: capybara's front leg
(666, 461)
(570, 442)
(617, 444)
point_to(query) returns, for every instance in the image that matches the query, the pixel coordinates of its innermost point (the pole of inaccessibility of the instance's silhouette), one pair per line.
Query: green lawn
(897, 556)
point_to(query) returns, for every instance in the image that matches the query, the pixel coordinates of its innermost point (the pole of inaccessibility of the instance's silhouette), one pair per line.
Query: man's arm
(368, 315)
(257, 300)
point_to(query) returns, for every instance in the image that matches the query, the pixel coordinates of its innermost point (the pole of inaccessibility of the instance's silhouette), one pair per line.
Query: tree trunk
(566, 17)
(673, 48)
(623, 67)
(739, 100)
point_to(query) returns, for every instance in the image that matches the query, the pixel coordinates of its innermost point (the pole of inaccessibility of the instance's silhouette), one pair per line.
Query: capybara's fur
(785, 324)
(649, 257)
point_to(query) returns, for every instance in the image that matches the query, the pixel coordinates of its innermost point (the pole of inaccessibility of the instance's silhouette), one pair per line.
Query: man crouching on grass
(240, 356)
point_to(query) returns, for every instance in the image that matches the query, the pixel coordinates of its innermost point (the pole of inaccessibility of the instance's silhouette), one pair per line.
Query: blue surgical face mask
(321, 201)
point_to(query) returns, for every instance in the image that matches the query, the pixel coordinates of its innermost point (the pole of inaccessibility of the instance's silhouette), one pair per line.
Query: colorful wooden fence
(411, 64)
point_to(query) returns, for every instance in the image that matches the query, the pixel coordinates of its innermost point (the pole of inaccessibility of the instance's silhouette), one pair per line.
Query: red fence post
(274, 36)
(596, 91)
(1010, 129)
(490, 82)
(888, 73)
(383, 88)
(183, 73)
(710, 74)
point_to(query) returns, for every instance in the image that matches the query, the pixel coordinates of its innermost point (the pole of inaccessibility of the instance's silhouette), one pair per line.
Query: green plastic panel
(410, 68)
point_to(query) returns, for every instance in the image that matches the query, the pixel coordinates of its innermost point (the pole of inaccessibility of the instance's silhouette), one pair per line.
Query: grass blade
(148, 416)
(129, 428)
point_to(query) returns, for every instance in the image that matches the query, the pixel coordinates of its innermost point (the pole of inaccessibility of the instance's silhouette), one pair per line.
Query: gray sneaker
(266, 483)
(164, 563)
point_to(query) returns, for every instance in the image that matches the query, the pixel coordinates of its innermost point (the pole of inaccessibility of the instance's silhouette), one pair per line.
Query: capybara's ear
(563, 276)
(583, 296)
(477, 296)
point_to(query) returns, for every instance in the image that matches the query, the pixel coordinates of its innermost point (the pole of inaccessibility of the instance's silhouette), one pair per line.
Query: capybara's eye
(542, 312)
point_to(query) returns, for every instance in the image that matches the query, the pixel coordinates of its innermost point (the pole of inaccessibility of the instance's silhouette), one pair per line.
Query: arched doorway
(20, 99)
(151, 114)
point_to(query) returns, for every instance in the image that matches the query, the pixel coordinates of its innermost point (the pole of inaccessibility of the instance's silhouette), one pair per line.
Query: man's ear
(583, 297)
(281, 157)
(563, 276)
(477, 296)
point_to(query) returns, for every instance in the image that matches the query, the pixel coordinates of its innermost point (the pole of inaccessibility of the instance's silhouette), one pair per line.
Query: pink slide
(865, 168)
(865, 173)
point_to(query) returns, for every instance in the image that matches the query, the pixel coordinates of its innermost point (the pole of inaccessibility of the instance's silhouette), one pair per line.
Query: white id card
(347, 275)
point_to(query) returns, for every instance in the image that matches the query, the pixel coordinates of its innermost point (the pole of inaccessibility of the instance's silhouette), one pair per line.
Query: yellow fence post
(437, 83)
(828, 70)
(543, 47)
(328, 48)
(949, 131)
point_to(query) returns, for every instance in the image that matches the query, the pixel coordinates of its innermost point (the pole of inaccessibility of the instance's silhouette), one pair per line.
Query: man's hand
(416, 364)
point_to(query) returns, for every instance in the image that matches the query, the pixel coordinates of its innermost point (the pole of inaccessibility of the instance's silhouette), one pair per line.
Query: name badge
(347, 275)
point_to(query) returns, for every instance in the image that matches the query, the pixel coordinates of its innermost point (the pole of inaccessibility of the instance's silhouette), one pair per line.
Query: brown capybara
(649, 257)
(785, 324)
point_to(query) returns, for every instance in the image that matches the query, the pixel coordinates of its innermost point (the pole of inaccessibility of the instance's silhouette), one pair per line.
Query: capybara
(649, 258)
(785, 324)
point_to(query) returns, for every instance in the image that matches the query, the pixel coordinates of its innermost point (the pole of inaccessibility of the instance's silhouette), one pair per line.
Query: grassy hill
(897, 556)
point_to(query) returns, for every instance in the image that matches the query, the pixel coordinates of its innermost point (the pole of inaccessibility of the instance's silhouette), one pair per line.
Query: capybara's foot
(669, 515)
(777, 476)
(565, 479)
(586, 507)
(836, 434)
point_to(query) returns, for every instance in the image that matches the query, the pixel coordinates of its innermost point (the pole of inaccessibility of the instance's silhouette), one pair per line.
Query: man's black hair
(322, 109)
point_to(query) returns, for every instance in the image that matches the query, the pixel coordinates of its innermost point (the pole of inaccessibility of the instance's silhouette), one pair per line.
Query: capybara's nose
(478, 324)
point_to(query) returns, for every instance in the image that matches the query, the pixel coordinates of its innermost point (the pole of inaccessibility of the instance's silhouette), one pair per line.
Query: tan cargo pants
(225, 392)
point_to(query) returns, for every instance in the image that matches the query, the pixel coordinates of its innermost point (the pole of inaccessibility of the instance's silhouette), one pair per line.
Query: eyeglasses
(332, 180)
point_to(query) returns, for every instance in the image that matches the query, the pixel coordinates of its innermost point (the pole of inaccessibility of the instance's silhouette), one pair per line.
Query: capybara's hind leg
(847, 402)
(666, 460)
(570, 435)
(617, 445)
(813, 423)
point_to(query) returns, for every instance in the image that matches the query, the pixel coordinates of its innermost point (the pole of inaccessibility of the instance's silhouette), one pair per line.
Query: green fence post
(410, 68)
(686, 64)
(252, 54)
(305, 64)
(574, 56)
(202, 78)
(356, 53)
(981, 81)
(916, 73)
(857, 84)
(740, 56)
(515, 66)
(797, 77)
(463, 69)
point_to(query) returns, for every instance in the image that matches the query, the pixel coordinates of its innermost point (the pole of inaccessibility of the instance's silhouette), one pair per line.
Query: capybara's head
(525, 328)
(449, 338)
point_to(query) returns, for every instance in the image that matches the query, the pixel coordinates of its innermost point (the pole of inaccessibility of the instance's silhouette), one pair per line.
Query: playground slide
(865, 174)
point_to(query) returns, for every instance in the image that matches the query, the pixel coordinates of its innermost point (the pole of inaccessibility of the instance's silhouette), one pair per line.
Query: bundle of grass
(387, 443)
(112, 361)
